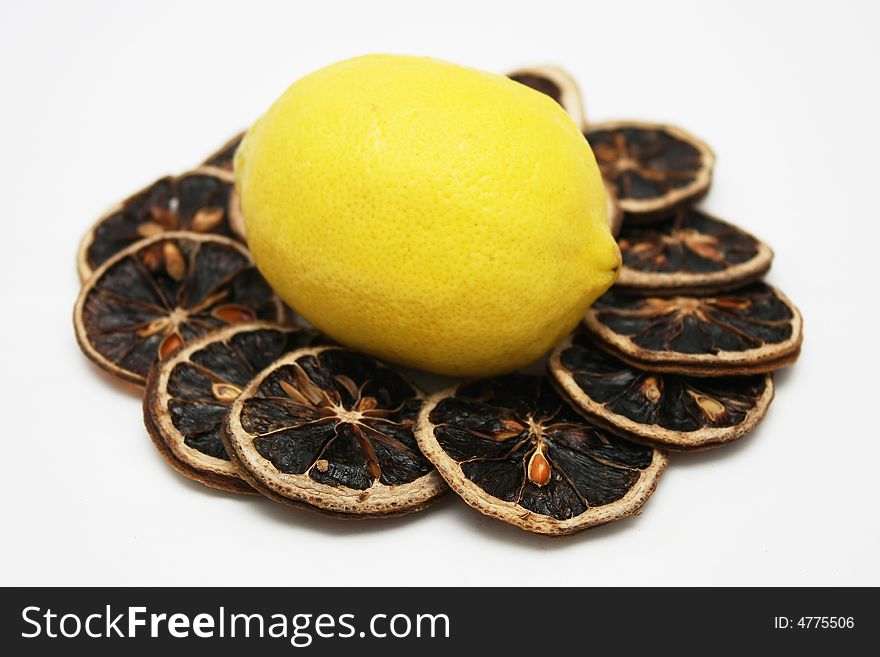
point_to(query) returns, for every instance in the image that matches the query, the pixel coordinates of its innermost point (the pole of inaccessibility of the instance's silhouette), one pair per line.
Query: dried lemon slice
(333, 429)
(554, 82)
(750, 330)
(654, 168)
(514, 449)
(147, 300)
(188, 394)
(671, 410)
(690, 253)
(223, 157)
(199, 201)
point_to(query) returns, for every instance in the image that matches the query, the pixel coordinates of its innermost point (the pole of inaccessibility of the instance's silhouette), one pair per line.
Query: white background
(98, 99)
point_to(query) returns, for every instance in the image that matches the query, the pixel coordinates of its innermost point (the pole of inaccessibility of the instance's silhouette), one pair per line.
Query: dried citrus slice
(554, 82)
(690, 253)
(148, 299)
(514, 449)
(675, 411)
(200, 201)
(223, 157)
(332, 428)
(750, 330)
(188, 394)
(654, 168)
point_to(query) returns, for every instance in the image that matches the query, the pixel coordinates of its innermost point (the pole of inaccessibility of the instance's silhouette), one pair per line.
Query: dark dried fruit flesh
(556, 83)
(223, 157)
(187, 395)
(199, 201)
(147, 300)
(514, 449)
(670, 410)
(750, 330)
(332, 429)
(689, 253)
(654, 168)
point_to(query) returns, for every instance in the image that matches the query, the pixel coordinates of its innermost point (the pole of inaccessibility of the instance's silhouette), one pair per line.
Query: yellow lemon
(426, 213)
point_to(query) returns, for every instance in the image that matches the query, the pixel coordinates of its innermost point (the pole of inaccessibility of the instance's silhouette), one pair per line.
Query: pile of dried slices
(237, 395)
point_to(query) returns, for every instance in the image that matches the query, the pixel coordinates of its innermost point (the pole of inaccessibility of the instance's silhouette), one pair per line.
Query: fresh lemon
(426, 213)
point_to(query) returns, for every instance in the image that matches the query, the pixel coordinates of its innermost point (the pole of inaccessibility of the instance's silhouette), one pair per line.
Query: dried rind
(332, 429)
(187, 396)
(150, 298)
(690, 253)
(201, 201)
(654, 168)
(558, 84)
(670, 410)
(218, 481)
(751, 330)
(513, 449)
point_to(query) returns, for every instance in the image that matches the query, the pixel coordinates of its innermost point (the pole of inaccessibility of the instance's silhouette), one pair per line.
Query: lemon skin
(426, 213)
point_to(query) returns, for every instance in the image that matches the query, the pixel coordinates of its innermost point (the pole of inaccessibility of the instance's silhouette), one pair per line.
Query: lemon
(426, 213)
